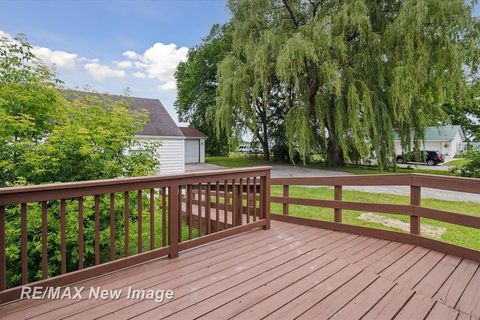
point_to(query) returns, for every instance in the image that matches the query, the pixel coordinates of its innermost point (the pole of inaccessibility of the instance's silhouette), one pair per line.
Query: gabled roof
(442, 133)
(192, 132)
(159, 121)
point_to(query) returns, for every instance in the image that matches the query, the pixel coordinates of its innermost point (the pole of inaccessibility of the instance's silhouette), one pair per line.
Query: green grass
(457, 162)
(237, 161)
(376, 170)
(463, 236)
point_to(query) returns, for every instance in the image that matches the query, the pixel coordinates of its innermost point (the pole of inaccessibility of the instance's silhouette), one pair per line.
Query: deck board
(287, 272)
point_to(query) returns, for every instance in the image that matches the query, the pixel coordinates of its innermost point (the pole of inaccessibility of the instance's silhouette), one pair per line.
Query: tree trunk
(334, 153)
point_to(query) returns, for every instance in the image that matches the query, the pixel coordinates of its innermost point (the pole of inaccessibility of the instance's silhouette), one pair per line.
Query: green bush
(472, 168)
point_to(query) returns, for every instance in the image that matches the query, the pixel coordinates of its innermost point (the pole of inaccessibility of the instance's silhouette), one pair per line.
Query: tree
(45, 137)
(349, 71)
(197, 85)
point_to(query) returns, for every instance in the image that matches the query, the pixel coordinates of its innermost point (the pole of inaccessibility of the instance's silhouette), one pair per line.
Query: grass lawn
(243, 160)
(457, 162)
(238, 161)
(459, 235)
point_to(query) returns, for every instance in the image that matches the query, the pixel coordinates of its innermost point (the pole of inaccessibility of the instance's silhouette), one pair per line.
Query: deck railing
(414, 210)
(171, 213)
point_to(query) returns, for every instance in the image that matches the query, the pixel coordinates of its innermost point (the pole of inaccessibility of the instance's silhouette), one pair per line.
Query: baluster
(127, 222)
(63, 242)
(139, 221)
(217, 206)
(164, 217)
(225, 205)
(234, 204)
(173, 221)
(254, 198)
(44, 241)
(199, 217)
(3, 261)
(266, 200)
(207, 208)
(152, 219)
(80, 233)
(97, 229)
(23, 209)
(248, 200)
(189, 210)
(112, 226)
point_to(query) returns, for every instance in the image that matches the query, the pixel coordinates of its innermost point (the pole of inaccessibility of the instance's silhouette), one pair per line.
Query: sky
(110, 45)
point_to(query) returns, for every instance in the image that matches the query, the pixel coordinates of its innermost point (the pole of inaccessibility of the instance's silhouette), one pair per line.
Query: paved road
(283, 171)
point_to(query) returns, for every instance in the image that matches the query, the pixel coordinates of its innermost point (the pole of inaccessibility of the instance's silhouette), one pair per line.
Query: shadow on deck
(290, 271)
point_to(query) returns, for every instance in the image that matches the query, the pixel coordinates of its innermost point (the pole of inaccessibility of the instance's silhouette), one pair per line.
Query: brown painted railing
(415, 210)
(179, 202)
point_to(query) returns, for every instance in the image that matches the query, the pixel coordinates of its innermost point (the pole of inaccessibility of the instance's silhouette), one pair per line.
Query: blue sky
(110, 45)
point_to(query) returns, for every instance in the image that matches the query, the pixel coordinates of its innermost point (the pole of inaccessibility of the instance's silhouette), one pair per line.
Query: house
(177, 145)
(171, 142)
(448, 140)
(194, 145)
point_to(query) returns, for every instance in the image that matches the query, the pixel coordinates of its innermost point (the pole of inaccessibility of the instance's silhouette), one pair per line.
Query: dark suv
(431, 158)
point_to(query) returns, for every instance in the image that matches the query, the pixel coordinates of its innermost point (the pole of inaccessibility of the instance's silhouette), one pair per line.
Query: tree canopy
(347, 73)
(197, 84)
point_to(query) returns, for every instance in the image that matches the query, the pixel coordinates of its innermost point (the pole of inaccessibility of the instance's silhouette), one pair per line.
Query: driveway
(286, 171)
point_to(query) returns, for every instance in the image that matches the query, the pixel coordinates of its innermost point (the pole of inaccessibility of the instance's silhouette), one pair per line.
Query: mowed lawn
(464, 236)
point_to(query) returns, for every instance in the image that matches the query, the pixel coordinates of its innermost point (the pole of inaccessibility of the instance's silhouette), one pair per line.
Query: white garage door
(192, 151)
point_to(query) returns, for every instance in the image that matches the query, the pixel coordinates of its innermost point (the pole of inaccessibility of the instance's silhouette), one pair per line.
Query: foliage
(197, 85)
(347, 72)
(51, 135)
(472, 167)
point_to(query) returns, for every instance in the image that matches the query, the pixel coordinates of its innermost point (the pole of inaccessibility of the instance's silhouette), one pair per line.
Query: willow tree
(348, 72)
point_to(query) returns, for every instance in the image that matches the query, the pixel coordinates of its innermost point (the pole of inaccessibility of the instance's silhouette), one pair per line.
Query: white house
(448, 140)
(169, 140)
(177, 146)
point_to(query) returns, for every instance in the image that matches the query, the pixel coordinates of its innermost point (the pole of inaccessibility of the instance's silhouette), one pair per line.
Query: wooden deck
(287, 272)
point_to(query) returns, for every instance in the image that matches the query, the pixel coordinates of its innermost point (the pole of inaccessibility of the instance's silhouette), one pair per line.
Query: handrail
(187, 218)
(415, 210)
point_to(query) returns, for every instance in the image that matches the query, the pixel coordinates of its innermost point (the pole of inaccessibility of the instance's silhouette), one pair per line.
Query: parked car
(431, 158)
(244, 149)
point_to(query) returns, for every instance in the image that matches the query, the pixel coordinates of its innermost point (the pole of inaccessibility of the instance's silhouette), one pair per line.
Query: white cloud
(101, 72)
(139, 75)
(159, 62)
(124, 64)
(60, 59)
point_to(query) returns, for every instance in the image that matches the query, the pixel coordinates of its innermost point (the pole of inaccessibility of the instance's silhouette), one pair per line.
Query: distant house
(176, 146)
(448, 140)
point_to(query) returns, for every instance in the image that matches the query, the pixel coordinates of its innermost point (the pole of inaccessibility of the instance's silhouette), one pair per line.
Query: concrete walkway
(286, 171)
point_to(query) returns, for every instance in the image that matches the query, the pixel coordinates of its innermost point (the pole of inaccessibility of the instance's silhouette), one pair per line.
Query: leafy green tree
(45, 137)
(197, 85)
(349, 71)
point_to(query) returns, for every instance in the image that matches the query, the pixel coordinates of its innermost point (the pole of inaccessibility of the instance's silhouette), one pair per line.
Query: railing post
(285, 195)
(266, 199)
(173, 221)
(415, 200)
(337, 194)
